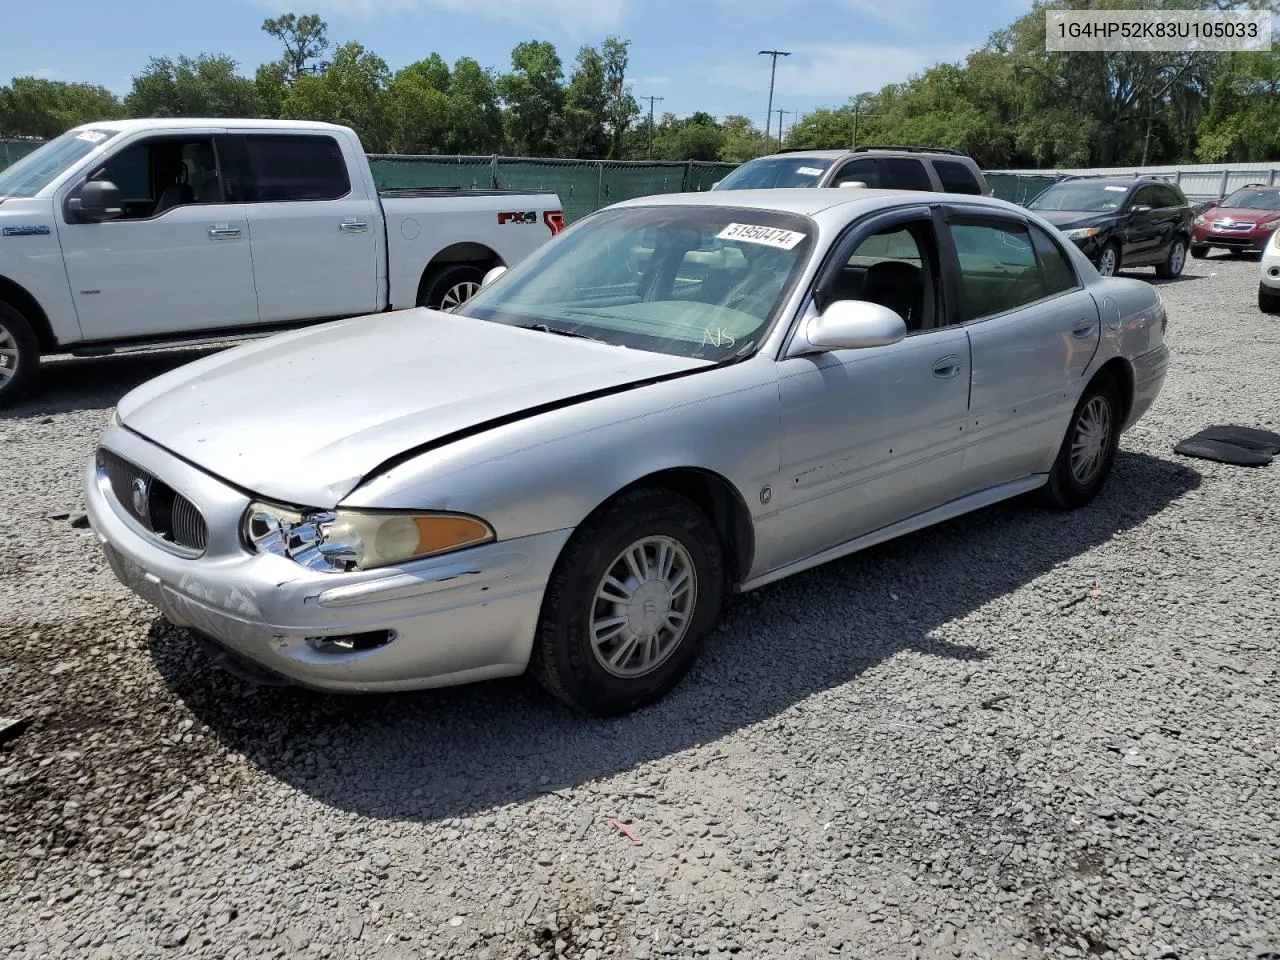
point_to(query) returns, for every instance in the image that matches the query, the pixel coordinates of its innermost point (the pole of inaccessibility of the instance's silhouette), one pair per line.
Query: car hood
(1071, 219)
(1240, 213)
(302, 417)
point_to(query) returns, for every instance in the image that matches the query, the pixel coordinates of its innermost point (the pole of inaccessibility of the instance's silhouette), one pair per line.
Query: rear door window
(956, 177)
(904, 173)
(863, 170)
(284, 167)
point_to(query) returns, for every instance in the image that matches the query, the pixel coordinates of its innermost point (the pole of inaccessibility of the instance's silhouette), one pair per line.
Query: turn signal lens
(377, 540)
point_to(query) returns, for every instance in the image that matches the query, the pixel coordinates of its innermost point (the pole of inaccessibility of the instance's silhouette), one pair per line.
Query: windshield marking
(93, 136)
(769, 236)
(809, 171)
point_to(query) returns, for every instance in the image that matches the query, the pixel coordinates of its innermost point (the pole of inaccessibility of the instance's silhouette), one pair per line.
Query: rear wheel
(629, 604)
(19, 355)
(1199, 251)
(1176, 260)
(1268, 300)
(1089, 448)
(1109, 260)
(450, 287)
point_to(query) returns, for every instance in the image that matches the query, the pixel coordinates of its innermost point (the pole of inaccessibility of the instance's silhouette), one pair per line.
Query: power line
(768, 117)
(651, 100)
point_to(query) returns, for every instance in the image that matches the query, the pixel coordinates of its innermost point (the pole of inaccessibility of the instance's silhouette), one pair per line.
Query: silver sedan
(680, 397)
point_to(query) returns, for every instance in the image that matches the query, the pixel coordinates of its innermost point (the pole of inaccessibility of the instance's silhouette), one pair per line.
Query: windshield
(41, 167)
(701, 282)
(1254, 199)
(771, 172)
(1085, 197)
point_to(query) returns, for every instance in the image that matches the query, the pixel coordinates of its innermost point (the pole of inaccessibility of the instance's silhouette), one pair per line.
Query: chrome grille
(154, 504)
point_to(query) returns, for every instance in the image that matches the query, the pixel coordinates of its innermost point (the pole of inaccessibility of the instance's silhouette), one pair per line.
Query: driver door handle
(353, 225)
(1083, 329)
(947, 367)
(223, 231)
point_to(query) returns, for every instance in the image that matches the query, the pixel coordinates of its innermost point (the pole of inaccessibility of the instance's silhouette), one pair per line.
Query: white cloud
(649, 81)
(48, 73)
(577, 18)
(836, 71)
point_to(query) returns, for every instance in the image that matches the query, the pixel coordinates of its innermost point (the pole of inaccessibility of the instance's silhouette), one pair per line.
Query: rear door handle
(223, 231)
(947, 367)
(1083, 329)
(353, 226)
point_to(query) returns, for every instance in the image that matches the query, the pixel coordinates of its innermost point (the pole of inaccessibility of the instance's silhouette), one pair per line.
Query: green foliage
(305, 38)
(534, 98)
(204, 86)
(585, 103)
(34, 107)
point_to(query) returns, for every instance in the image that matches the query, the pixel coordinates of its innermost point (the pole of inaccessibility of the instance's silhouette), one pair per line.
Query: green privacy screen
(583, 186)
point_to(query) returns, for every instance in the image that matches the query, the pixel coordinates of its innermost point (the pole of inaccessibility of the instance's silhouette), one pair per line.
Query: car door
(1171, 216)
(312, 228)
(178, 260)
(1033, 330)
(1142, 226)
(873, 436)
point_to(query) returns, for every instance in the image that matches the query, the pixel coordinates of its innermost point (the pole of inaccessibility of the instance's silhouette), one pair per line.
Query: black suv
(1122, 221)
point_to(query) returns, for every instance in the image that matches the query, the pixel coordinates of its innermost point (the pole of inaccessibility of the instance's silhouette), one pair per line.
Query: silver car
(678, 397)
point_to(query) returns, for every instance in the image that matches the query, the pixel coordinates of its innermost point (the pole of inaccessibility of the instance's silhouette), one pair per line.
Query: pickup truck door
(313, 227)
(177, 261)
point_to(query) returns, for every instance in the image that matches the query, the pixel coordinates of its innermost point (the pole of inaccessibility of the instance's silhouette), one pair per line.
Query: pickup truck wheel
(1089, 448)
(19, 355)
(631, 601)
(450, 287)
(1199, 251)
(1176, 260)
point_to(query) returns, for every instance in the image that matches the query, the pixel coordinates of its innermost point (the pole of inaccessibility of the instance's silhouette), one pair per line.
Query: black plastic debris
(10, 727)
(1239, 446)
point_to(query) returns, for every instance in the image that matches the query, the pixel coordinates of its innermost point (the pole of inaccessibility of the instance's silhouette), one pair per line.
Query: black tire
(1113, 249)
(19, 355)
(440, 287)
(1067, 489)
(1199, 251)
(1176, 260)
(565, 660)
(1268, 300)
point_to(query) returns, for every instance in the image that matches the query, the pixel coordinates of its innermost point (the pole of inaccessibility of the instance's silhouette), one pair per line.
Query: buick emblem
(138, 496)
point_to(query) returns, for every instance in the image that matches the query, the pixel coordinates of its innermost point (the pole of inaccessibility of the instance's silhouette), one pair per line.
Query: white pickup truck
(140, 233)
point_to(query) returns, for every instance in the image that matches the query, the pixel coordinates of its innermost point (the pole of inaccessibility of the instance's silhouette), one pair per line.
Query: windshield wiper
(561, 333)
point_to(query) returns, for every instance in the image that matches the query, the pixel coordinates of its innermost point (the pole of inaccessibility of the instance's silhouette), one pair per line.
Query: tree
(743, 140)
(585, 104)
(621, 107)
(827, 128)
(35, 107)
(305, 38)
(534, 99)
(696, 137)
(475, 117)
(351, 91)
(418, 107)
(206, 86)
(1243, 122)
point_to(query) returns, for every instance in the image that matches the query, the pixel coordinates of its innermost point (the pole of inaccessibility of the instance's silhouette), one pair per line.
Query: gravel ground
(1021, 734)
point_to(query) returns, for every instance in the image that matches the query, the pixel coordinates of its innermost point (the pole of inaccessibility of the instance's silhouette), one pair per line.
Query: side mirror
(1140, 208)
(716, 184)
(96, 201)
(853, 185)
(492, 275)
(854, 325)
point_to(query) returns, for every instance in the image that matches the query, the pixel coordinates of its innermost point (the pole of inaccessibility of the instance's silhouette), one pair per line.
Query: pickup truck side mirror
(96, 201)
(492, 275)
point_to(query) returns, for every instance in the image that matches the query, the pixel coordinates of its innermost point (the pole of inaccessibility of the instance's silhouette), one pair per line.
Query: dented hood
(301, 418)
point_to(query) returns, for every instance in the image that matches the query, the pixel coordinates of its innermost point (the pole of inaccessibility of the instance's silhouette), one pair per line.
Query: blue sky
(697, 54)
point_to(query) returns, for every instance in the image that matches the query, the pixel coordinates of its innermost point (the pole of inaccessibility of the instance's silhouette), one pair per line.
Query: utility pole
(768, 117)
(780, 114)
(651, 100)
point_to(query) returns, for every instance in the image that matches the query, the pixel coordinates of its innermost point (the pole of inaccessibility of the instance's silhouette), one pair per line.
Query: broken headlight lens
(337, 541)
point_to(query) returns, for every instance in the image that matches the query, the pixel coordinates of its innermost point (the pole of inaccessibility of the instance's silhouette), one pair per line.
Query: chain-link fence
(14, 150)
(1019, 188)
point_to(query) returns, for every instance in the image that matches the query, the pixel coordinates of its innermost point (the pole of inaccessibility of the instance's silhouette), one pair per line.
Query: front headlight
(337, 541)
(1082, 233)
(1201, 220)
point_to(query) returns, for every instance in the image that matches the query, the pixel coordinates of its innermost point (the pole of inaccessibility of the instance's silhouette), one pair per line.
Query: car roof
(835, 154)
(170, 123)
(808, 201)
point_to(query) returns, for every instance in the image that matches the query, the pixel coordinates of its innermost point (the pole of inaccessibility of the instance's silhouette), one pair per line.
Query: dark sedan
(1242, 223)
(1122, 222)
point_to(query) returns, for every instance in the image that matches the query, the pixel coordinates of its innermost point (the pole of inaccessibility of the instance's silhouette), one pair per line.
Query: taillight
(555, 220)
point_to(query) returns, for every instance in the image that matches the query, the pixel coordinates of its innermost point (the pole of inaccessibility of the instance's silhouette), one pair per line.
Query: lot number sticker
(809, 171)
(93, 136)
(769, 236)
(1115, 189)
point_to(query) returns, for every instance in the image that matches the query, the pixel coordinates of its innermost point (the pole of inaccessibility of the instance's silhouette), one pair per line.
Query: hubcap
(1177, 257)
(642, 607)
(1091, 440)
(8, 355)
(459, 294)
(1108, 265)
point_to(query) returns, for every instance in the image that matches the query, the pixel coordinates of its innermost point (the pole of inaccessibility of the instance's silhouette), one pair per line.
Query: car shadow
(67, 384)
(438, 754)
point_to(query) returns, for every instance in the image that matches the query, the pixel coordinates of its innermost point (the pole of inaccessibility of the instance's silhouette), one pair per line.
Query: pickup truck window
(38, 169)
(286, 167)
(158, 174)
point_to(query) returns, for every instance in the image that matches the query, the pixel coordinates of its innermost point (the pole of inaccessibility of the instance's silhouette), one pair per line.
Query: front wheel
(629, 604)
(1109, 260)
(1088, 450)
(1268, 300)
(1199, 251)
(19, 355)
(450, 287)
(1176, 260)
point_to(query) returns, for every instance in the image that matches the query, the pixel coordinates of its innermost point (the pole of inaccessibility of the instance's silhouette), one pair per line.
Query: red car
(1242, 223)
